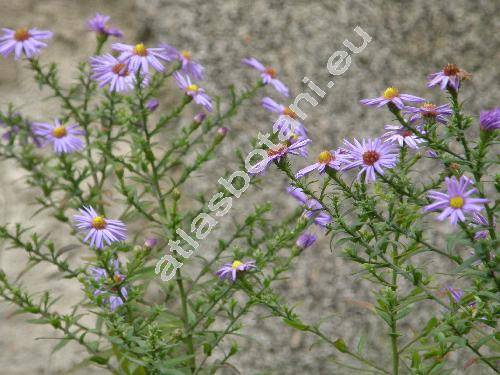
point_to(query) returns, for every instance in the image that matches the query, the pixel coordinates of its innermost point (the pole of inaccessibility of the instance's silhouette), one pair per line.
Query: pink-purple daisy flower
(64, 138)
(229, 271)
(490, 120)
(450, 76)
(277, 152)
(99, 24)
(139, 58)
(188, 65)
(313, 209)
(429, 112)
(109, 290)
(107, 70)
(402, 136)
(331, 159)
(23, 40)
(100, 230)
(392, 95)
(457, 201)
(372, 156)
(194, 91)
(268, 76)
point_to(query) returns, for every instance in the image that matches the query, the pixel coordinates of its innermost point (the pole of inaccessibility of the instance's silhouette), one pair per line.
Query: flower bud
(222, 131)
(199, 117)
(150, 242)
(152, 104)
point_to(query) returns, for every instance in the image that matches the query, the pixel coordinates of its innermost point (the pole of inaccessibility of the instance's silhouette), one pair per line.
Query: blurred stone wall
(410, 40)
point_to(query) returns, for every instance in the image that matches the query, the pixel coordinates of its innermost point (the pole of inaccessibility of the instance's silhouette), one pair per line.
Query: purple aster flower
(401, 135)
(115, 302)
(392, 95)
(305, 240)
(429, 111)
(63, 137)
(99, 229)
(189, 66)
(277, 152)
(313, 209)
(152, 105)
(297, 132)
(490, 120)
(230, 270)
(107, 70)
(192, 90)
(457, 201)
(139, 57)
(271, 106)
(99, 24)
(450, 76)
(268, 76)
(372, 156)
(332, 159)
(23, 40)
(98, 273)
(455, 294)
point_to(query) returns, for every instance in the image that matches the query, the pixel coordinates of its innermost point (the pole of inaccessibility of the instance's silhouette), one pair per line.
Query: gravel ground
(410, 39)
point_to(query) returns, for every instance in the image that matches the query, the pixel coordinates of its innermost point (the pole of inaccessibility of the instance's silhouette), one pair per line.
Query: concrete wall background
(410, 40)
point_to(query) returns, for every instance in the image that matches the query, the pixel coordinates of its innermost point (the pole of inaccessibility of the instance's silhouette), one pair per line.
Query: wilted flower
(401, 135)
(192, 90)
(450, 76)
(23, 40)
(391, 95)
(99, 24)
(332, 159)
(63, 137)
(107, 70)
(98, 228)
(277, 152)
(268, 75)
(189, 66)
(305, 240)
(139, 57)
(429, 111)
(370, 155)
(456, 202)
(490, 120)
(230, 270)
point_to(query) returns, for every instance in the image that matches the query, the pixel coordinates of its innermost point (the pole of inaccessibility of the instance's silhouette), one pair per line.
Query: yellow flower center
(186, 54)
(325, 157)
(288, 112)
(21, 34)
(192, 87)
(98, 222)
(391, 93)
(140, 50)
(59, 132)
(236, 264)
(456, 202)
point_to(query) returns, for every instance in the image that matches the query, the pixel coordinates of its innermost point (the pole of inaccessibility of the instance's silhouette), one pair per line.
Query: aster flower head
(110, 290)
(490, 120)
(313, 210)
(188, 65)
(450, 76)
(372, 156)
(429, 112)
(65, 138)
(286, 126)
(268, 76)
(139, 58)
(401, 135)
(99, 24)
(331, 159)
(23, 40)
(229, 271)
(277, 152)
(107, 70)
(392, 95)
(306, 240)
(100, 230)
(197, 93)
(455, 293)
(457, 201)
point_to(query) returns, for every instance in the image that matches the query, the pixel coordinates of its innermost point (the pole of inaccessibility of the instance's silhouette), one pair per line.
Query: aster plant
(120, 189)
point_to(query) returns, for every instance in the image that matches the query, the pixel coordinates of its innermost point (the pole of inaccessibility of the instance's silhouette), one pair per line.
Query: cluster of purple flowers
(109, 290)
